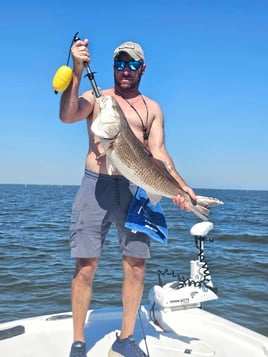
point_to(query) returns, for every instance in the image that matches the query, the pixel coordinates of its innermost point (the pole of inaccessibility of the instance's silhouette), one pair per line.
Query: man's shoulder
(152, 102)
(108, 91)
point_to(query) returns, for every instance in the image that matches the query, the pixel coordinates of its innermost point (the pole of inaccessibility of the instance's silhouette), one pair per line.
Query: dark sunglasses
(132, 65)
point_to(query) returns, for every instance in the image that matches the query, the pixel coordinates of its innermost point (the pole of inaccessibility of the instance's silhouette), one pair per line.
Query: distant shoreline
(77, 185)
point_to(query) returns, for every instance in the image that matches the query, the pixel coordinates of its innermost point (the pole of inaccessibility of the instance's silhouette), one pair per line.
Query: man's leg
(133, 284)
(81, 294)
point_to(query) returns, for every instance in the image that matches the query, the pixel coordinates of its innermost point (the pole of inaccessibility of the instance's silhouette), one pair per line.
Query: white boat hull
(190, 332)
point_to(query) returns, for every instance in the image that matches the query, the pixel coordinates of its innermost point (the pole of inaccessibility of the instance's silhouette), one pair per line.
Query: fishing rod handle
(90, 74)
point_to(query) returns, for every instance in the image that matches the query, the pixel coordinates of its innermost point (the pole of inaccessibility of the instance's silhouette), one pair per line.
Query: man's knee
(135, 266)
(86, 268)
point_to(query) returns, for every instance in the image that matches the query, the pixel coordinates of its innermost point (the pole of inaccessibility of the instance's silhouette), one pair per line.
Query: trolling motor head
(200, 232)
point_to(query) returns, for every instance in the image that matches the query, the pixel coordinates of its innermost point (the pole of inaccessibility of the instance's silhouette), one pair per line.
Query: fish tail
(202, 205)
(201, 211)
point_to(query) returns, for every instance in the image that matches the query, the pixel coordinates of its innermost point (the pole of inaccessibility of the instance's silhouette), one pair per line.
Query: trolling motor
(64, 75)
(187, 293)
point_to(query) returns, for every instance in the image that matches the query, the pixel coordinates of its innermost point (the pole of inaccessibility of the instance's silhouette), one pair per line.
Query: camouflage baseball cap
(133, 49)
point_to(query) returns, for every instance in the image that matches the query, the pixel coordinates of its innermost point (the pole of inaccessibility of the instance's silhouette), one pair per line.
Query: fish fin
(101, 155)
(147, 151)
(167, 166)
(200, 211)
(202, 205)
(109, 166)
(107, 146)
(153, 198)
(208, 201)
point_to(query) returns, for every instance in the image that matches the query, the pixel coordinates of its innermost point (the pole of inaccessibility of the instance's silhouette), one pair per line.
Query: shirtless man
(103, 199)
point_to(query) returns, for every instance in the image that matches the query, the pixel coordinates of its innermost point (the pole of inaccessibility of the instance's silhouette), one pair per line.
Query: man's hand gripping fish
(130, 157)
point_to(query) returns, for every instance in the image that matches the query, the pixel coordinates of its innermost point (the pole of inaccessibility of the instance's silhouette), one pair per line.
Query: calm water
(35, 267)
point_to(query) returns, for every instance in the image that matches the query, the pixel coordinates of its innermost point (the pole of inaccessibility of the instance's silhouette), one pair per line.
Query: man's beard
(129, 86)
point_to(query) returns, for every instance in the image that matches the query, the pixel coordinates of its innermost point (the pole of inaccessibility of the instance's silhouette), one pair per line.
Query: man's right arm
(72, 106)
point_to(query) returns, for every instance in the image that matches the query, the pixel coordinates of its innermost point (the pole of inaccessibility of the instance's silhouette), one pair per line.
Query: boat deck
(190, 332)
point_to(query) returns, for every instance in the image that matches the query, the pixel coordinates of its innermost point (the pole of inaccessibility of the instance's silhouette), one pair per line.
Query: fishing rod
(64, 75)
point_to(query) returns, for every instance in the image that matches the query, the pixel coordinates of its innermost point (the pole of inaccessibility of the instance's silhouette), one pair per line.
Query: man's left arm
(157, 147)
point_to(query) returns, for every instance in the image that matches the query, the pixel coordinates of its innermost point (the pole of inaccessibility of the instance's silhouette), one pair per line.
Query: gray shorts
(100, 201)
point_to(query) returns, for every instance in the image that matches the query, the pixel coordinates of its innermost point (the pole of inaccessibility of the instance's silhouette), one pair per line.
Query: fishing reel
(64, 75)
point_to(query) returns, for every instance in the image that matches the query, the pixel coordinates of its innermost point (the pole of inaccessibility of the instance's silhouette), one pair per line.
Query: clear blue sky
(207, 66)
